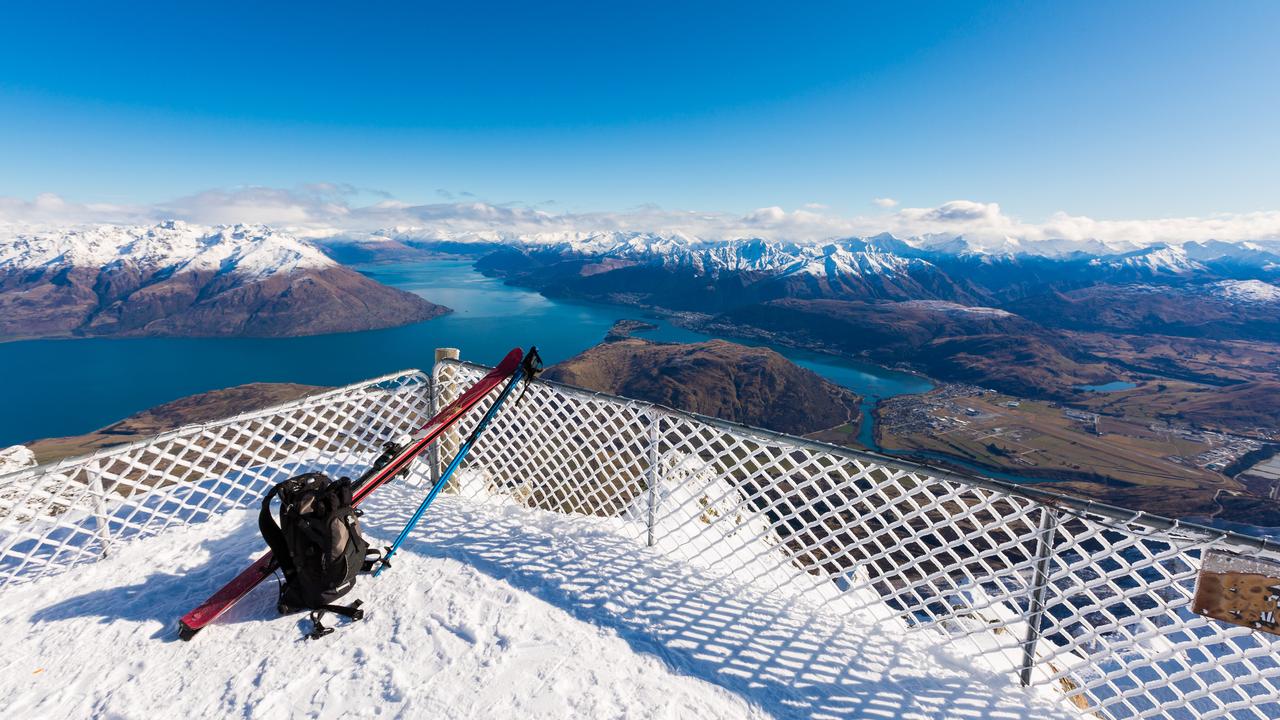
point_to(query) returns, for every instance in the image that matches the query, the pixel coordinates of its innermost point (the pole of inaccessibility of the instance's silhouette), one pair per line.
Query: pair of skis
(239, 586)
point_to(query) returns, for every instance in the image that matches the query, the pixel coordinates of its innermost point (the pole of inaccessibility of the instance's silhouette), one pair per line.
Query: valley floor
(491, 611)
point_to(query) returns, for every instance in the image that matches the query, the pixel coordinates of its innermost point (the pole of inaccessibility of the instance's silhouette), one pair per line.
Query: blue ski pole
(527, 371)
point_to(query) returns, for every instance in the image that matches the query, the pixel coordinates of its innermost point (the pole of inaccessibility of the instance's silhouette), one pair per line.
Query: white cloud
(322, 210)
(885, 202)
(956, 211)
(48, 208)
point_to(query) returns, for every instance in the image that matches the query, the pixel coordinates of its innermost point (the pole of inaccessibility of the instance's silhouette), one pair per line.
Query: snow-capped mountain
(1152, 261)
(875, 256)
(882, 254)
(251, 251)
(1246, 252)
(178, 279)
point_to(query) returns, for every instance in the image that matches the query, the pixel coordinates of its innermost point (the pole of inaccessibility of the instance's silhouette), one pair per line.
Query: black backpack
(317, 544)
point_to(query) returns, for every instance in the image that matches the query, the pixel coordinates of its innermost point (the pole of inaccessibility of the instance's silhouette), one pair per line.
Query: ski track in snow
(489, 611)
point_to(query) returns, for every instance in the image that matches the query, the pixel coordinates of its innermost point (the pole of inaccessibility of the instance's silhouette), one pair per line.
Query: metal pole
(433, 404)
(101, 524)
(450, 436)
(1048, 533)
(651, 473)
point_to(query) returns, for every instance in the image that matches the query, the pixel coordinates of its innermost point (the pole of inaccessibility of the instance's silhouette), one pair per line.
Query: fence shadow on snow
(1089, 600)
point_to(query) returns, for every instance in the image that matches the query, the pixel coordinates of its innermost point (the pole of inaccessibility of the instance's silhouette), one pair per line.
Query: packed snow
(15, 458)
(490, 610)
(253, 251)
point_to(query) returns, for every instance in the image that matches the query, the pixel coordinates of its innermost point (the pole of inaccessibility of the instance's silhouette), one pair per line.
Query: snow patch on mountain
(250, 251)
(951, 308)
(1247, 291)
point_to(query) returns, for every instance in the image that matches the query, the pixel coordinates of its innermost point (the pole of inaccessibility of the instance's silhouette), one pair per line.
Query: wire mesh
(56, 516)
(1058, 593)
(1082, 598)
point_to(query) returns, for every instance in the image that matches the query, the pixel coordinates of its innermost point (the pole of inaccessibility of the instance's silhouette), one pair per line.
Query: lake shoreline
(66, 389)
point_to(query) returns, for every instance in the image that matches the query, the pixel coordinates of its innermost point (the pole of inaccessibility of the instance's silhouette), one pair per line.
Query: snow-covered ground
(490, 611)
(15, 458)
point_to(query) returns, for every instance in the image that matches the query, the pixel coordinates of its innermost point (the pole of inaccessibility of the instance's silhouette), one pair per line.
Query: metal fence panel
(1090, 600)
(59, 515)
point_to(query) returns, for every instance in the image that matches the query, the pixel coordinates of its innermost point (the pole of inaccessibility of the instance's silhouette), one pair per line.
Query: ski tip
(185, 631)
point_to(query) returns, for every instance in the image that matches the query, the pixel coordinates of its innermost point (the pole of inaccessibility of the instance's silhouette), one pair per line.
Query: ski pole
(526, 372)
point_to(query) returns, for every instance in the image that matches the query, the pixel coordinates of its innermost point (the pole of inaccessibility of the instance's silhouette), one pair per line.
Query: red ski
(240, 585)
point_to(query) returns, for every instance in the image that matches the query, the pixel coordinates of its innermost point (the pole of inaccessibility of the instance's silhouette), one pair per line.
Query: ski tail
(250, 577)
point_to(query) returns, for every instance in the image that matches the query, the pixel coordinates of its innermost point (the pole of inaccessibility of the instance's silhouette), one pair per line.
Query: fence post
(651, 473)
(101, 524)
(1045, 537)
(433, 404)
(433, 457)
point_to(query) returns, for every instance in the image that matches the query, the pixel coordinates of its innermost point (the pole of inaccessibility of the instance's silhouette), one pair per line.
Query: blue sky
(1112, 110)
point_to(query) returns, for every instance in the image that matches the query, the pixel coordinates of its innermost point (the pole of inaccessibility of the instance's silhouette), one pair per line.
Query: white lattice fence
(1088, 599)
(1092, 600)
(56, 516)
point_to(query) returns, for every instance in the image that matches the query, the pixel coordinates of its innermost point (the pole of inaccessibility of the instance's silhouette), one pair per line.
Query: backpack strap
(372, 557)
(318, 629)
(274, 536)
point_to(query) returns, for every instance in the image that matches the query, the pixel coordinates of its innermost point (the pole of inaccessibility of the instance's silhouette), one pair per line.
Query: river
(67, 387)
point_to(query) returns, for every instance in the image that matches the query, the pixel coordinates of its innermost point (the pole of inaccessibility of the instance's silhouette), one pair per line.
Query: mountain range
(943, 306)
(993, 312)
(876, 268)
(1224, 290)
(186, 280)
(1193, 328)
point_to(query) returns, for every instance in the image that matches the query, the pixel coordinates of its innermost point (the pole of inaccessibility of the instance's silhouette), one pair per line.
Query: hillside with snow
(1247, 291)
(173, 278)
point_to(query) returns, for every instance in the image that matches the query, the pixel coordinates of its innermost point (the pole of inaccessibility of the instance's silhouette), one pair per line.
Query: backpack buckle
(318, 630)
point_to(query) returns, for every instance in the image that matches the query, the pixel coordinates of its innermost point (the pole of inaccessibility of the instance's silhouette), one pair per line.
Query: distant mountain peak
(1158, 259)
(255, 251)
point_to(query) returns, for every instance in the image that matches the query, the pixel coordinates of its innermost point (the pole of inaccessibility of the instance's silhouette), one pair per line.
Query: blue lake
(67, 387)
(1108, 387)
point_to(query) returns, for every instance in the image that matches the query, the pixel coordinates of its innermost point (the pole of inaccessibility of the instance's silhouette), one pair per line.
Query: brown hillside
(203, 407)
(756, 386)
